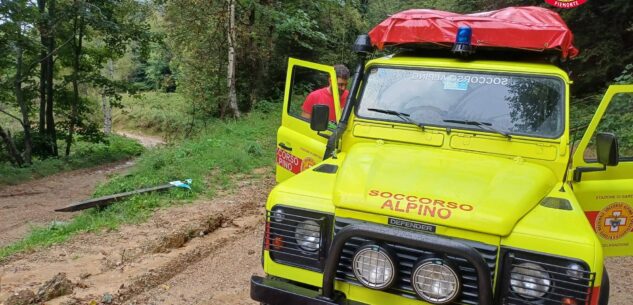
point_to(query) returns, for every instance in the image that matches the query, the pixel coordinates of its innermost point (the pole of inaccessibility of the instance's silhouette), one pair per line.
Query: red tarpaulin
(532, 28)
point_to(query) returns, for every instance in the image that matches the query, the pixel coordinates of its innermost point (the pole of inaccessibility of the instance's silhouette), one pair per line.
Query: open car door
(298, 146)
(605, 192)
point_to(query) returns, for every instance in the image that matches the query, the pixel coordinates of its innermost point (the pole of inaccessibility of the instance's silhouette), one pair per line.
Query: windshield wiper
(481, 125)
(403, 116)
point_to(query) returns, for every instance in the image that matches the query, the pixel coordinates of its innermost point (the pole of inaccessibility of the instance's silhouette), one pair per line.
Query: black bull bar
(393, 235)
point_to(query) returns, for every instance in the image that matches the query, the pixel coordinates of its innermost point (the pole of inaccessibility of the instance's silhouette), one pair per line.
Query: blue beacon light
(463, 41)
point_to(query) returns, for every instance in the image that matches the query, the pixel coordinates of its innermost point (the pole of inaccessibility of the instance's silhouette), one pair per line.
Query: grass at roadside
(165, 114)
(83, 155)
(211, 159)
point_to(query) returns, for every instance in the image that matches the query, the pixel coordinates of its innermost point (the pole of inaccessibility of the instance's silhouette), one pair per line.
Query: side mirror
(607, 149)
(320, 117)
(608, 154)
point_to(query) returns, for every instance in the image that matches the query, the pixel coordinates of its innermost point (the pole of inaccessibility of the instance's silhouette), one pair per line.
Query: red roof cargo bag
(530, 28)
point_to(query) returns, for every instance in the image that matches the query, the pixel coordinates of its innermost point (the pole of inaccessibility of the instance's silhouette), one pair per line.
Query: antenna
(571, 155)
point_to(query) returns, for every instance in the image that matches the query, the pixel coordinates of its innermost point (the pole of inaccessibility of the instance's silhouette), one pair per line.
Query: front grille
(562, 285)
(281, 235)
(407, 258)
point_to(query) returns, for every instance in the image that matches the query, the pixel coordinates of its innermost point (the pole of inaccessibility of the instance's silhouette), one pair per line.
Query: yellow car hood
(451, 188)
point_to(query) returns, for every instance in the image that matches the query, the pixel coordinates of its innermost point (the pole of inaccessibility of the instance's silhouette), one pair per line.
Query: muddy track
(199, 253)
(32, 203)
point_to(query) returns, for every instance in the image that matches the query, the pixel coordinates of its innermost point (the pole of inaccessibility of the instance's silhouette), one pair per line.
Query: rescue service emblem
(614, 221)
(565, 3)
(307, 163)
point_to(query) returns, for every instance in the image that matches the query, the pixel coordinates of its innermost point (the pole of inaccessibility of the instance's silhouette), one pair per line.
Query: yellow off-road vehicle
(447, 178)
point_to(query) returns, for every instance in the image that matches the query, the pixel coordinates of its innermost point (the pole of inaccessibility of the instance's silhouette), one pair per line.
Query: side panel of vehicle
(606, 195)
(298, 146)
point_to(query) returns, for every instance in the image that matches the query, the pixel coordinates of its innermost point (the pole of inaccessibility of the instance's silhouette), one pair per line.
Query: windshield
(513, 104)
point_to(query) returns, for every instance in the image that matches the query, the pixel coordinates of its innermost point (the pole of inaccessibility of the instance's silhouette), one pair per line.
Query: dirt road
(145, 140)
(32, 203)
(200, 253)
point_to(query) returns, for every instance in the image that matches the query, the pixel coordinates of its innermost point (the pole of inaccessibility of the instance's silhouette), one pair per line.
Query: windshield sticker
(423, 206)
(453, 85)
(460, 78)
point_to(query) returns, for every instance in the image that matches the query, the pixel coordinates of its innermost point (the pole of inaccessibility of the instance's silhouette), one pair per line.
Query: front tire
(604, 288)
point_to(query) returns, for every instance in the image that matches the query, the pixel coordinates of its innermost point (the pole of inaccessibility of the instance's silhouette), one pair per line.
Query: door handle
(284, 146)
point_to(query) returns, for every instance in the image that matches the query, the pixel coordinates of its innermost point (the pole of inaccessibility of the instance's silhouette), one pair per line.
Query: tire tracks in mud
(32, 203)
(134, 264)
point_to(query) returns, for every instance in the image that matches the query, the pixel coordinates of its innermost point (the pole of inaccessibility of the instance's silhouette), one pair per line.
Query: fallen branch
(110, 199)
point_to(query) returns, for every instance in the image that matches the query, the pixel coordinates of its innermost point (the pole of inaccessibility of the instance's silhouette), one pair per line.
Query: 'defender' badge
(566, 3)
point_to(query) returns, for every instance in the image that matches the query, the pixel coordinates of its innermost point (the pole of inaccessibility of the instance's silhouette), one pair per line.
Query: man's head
(342, 77)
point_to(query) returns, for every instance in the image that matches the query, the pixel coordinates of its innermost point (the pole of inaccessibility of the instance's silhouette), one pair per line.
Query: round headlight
(530, 280)
(308, 235)
(435, 281)
(374, 267)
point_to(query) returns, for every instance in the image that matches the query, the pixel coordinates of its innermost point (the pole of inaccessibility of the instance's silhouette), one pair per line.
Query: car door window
(617, 119)
(304, 82)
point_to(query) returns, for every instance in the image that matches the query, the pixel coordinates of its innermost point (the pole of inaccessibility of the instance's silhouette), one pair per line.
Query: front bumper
(271, 291)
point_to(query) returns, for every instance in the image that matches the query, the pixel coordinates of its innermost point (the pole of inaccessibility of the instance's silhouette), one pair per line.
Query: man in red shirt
(324, 96)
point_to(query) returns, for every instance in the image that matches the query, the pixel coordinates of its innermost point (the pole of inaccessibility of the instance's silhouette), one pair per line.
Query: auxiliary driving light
(308, 235)
(435, 281)
(576, 271)
(530, 280)
(374, 267)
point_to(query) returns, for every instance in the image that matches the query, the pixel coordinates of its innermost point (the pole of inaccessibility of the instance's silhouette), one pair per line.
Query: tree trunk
(16, 159)
(105, 103)
(231, 65)
(19, 96)
(79, 33)
(43, 29)
(50, 120)
(254, 63)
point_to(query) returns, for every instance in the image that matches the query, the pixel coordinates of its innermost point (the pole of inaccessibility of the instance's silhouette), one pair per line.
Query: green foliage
(211, 159)
(152, 67)
(268, 33)
(604, 34)
(221, 150)
(300, 30)
(627, 75)
(618, 119)
(73, 40)
(86, 154)
(322, 31)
